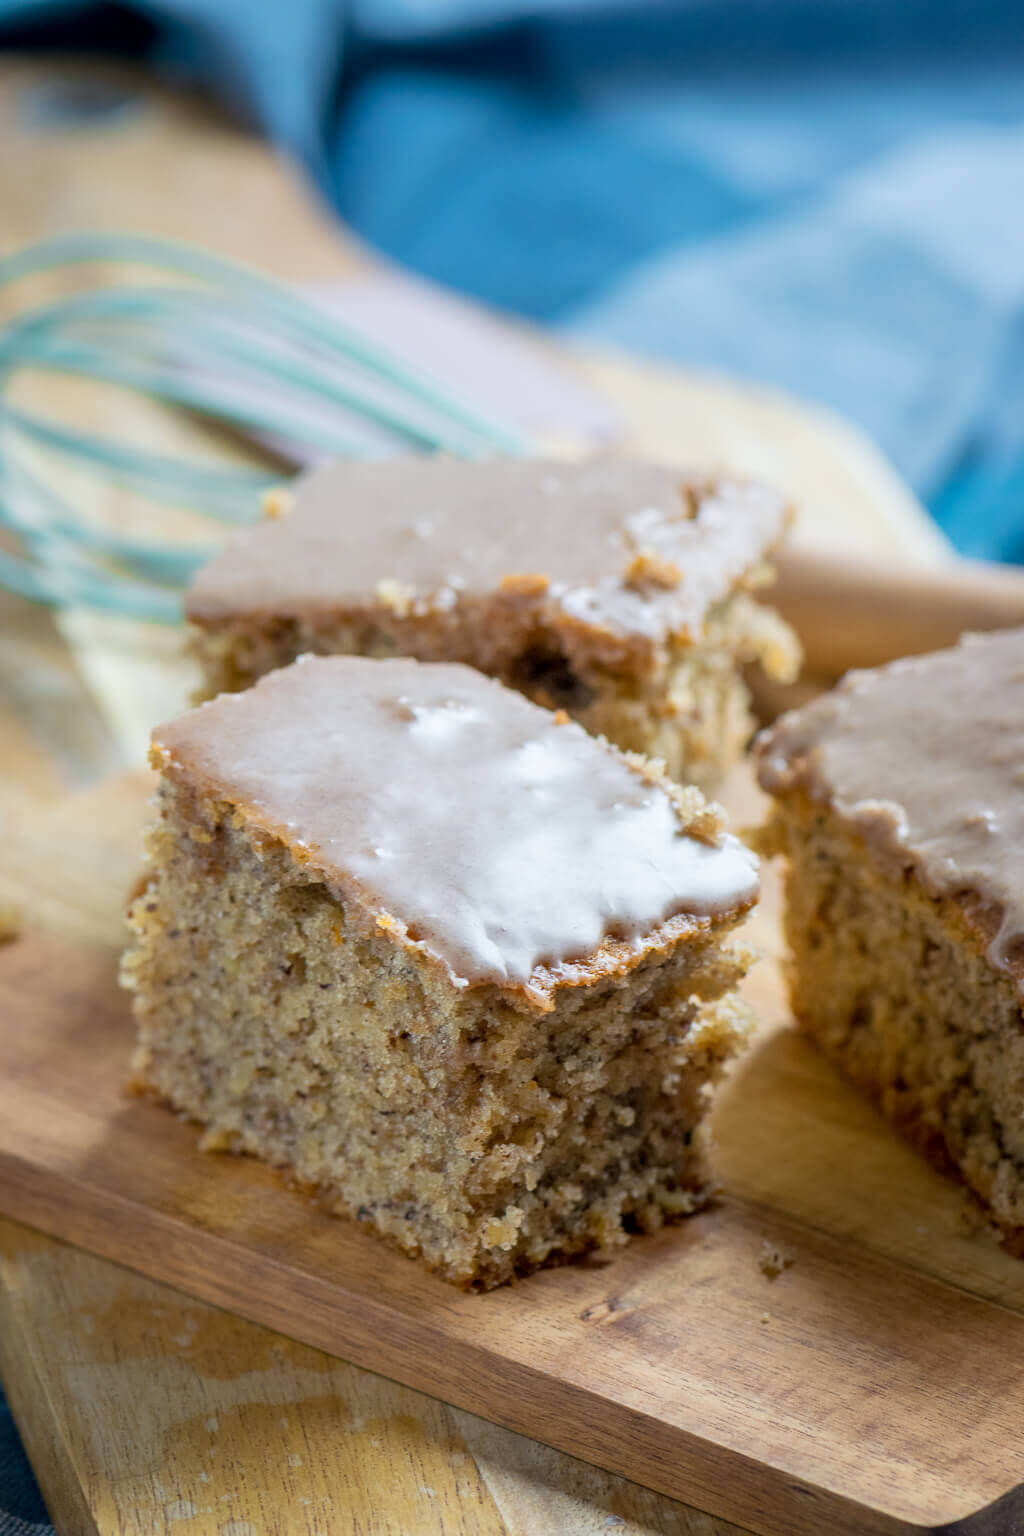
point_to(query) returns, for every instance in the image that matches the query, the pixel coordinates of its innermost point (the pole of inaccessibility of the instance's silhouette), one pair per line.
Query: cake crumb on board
(772, 1260)
(11, 922)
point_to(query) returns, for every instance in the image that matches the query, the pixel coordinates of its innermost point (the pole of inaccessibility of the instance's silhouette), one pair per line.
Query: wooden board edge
(51, 1459)
(622, 1440)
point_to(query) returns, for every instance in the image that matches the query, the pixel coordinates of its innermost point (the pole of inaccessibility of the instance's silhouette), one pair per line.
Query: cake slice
(616, 590)
(899, 804)
(440, 954)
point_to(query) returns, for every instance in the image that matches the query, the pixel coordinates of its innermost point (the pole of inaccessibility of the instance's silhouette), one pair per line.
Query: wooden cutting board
(144, 1411)
(875, 1385)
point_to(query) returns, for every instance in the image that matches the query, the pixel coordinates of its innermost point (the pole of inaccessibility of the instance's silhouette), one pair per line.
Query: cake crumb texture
(299, 997)
(465, 1127)
(897, 987)
(773, 1259)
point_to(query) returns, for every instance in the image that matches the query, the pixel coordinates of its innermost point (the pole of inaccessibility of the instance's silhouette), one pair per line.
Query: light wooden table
(142, 1410)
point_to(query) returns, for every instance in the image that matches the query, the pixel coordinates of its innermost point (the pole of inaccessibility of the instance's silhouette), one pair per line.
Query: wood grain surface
(168, 1415)
(111, 1403)
(874, 1386)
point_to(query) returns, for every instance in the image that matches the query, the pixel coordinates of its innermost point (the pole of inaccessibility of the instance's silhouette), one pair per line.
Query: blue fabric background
(825, 194)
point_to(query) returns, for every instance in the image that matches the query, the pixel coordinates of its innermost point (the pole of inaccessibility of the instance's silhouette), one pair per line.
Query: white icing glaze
(435, 532)
(926, 759)
(498, 838)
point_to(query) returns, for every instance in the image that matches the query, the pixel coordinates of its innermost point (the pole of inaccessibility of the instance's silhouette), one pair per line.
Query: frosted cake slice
(616, 590)
(899, 804)
(440, 954)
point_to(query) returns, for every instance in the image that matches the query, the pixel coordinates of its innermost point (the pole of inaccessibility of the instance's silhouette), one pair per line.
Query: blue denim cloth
(823, 194)
(22, 1512)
